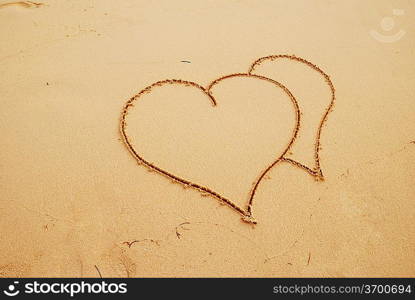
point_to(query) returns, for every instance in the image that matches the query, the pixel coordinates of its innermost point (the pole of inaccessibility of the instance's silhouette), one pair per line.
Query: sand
(75, 202)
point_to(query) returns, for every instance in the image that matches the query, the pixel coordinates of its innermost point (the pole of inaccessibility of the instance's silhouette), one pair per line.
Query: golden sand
(74, 202)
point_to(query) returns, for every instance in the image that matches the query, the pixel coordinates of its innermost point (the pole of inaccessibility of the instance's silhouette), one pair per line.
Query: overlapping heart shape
(242, 123)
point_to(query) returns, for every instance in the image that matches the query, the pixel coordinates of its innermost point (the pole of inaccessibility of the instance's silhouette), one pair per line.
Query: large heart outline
(245, 213)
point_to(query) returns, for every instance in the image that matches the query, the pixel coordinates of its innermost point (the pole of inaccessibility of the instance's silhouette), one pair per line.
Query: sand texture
(207, 138)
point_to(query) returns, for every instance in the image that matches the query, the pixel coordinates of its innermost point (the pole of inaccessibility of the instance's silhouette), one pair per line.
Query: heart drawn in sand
(221, 139)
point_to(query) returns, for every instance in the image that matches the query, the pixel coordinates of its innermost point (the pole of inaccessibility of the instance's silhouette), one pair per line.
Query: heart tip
(249, 219)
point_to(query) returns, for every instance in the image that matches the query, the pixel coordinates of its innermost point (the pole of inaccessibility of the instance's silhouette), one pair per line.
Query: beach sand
(74, 202)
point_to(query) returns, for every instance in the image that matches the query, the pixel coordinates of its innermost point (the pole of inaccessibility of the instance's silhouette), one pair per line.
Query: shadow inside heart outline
(246, 213)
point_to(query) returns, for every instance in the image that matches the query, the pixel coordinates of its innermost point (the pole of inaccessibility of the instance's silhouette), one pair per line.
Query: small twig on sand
(99, 272)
